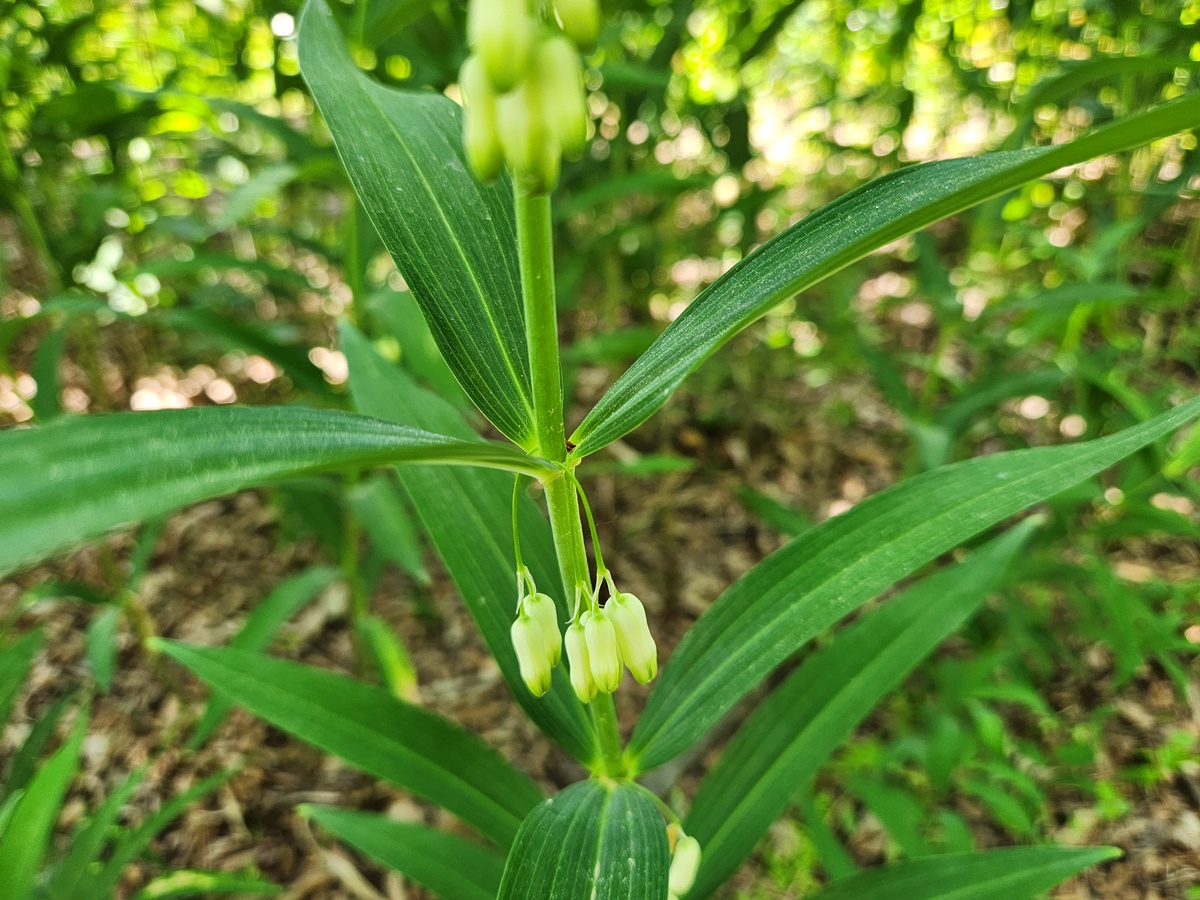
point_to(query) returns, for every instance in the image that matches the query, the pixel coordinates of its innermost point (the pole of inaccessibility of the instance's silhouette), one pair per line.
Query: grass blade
(261, 626)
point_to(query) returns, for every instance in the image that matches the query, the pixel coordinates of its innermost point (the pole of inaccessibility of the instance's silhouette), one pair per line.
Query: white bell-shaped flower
(541, 607)
(581, 667)
(530, 644)
(637, 646)
(685, 862)
(603, 652)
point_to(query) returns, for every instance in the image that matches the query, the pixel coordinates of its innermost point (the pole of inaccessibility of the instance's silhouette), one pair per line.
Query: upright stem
(535, 251)
(612, 756)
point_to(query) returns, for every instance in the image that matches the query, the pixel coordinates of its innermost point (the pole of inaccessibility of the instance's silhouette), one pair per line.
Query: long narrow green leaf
(380, 507)
(1060, 86)
(7, 808)
(24, 763)
(89, 838)
(595, 839)
(453, 868)
(191, 883)
(467, 515)
(803, 588)
(260, 627)
(453, 239)
(80, 477)
(101, 645)
(369, 728)
(1013, 873)
(28, 833)
(132, 844)
(15, 661)
(830, 239)
(787, 739)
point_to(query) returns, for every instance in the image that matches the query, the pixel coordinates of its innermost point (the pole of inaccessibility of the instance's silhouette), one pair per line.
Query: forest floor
(681, 539)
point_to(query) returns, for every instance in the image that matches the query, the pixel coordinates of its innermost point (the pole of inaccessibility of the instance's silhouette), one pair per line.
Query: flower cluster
(523, 90)
(600, 641)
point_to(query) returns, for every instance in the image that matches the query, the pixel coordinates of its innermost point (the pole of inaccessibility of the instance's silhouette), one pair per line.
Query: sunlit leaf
(831, 238)
(191, 883)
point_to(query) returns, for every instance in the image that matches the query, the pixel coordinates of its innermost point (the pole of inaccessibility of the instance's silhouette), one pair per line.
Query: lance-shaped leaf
(803, 588)
(193, 883)
(80, 477)
(595, 839)
(834, 236)
(453, 239)
(468, 517)
(15, 661)
(783, 744)
(259, 629)
(369, 728)
(451, 867)
(1014, 873)
(129, 844)
(27, 833)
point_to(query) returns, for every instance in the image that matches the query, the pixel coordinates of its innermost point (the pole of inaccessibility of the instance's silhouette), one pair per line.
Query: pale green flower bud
(685, 861)
(530, 644)
(481, 136)
(564, 105)
(577, 659)
(542, 608)
(603, 652)
(633, 636)
(580, 19)
(502, 33)
(530, 147)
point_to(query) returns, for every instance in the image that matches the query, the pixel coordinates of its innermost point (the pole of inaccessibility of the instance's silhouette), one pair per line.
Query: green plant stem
(535, 251)
(536, 254)
(351, 566)
(612, 756)
(568, 534)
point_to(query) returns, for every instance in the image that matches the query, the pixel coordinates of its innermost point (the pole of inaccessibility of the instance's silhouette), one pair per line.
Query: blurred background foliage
(176, 229)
